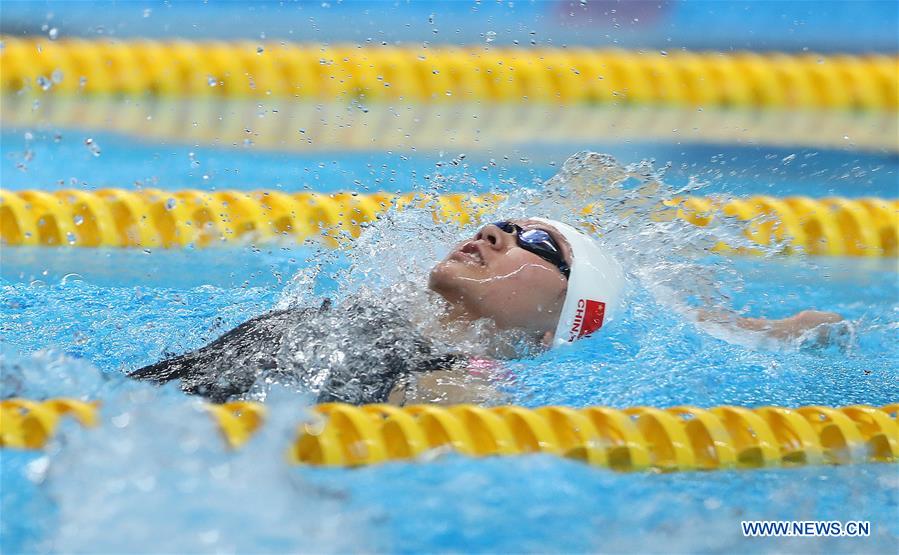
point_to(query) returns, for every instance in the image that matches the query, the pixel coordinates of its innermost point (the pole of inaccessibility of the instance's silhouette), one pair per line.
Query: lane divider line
(153, 218)
(638, 438)
(448, 73)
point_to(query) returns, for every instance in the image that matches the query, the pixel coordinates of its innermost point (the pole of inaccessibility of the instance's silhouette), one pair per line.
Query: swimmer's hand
(786, 329)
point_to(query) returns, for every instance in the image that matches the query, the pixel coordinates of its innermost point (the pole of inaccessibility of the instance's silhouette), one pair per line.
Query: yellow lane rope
(637, 438)
(446, 73)
(290, 125)
(155, 218)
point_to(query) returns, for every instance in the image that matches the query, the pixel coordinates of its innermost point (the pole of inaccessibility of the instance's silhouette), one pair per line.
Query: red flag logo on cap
(587, 319)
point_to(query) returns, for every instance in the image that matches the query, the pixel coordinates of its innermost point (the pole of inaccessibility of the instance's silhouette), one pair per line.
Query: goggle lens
(539, 242)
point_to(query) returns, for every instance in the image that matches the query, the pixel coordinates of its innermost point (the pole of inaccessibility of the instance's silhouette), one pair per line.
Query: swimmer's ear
(547, 339)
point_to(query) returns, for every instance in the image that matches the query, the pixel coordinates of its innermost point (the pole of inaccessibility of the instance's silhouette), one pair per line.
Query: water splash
(671, 269)
(634, 215)
(162, 462)
(156, 475)
(50, 373)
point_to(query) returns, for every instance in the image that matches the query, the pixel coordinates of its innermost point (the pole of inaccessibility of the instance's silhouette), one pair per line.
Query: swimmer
(539, 281)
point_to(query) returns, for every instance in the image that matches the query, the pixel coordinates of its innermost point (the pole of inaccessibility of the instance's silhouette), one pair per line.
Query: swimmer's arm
(784, 329)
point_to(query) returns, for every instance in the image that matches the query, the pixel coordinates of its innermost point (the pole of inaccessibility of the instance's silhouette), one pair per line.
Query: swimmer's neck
(455, 327)
(453, 320)
(442, 320)
(456, 314)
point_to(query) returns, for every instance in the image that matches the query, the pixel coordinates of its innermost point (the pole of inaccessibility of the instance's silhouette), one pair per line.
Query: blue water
(105, 321)
(835, 25)
(156, 477)
(534, 504)
(60, 159)
(171, 301)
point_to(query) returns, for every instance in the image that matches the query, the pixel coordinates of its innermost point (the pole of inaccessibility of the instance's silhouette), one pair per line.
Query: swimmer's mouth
(470, 253)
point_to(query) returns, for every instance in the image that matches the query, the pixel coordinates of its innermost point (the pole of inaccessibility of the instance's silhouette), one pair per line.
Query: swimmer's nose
(495, 237)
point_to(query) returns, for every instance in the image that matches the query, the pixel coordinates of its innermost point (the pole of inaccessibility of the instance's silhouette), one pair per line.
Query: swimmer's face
(490, 276)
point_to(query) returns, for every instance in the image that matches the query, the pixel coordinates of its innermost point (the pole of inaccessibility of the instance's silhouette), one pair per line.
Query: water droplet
(121, 420)
(79, 219)
(72, 276)
(436, 72)
(490, 36)
(70, 238)
(56, 76)
(53, 34)
(663, 52)
(147, 13)
(82, 82)
(44, 83)
(146, 483)
(93, 147)
(211, 81)
(260, 50)
(36, 470)
(170, 203)
(212, 536)
(787, 159)
(431, 19)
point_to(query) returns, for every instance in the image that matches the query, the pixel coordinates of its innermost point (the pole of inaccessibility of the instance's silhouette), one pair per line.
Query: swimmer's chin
(441, 278)
(448, 280)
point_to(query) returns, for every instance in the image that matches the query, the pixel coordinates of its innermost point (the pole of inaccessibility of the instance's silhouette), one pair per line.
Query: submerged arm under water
(809, 327)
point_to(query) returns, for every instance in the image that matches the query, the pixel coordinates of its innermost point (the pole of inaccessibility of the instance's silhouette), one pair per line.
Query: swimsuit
(355, 354)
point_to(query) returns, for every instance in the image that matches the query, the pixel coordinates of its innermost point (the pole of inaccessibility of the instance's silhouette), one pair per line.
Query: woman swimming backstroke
(540, 279)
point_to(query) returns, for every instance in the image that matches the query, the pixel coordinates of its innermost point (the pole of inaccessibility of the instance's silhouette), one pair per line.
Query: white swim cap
(594, 286)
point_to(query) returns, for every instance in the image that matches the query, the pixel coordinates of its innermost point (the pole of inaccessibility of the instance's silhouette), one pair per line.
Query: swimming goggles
(539, 242)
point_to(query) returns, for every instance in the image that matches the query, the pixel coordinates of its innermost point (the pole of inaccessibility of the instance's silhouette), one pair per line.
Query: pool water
(653, 355)
(297, 146)
(156, 477)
